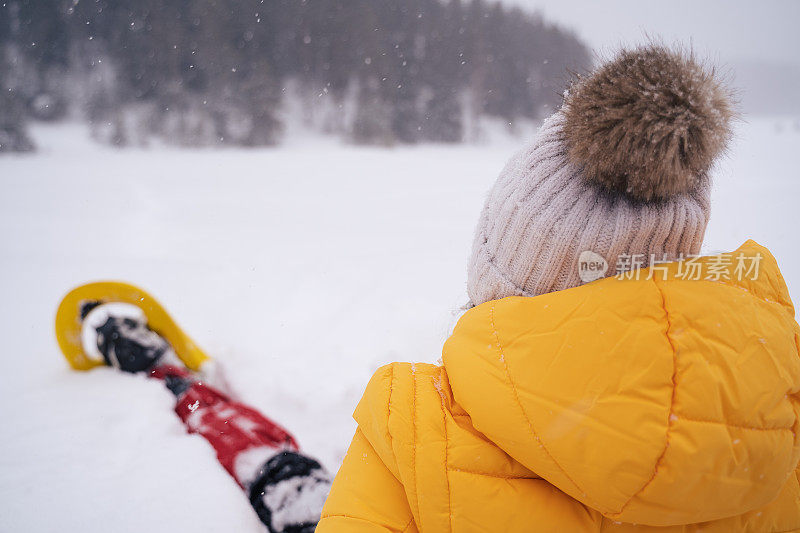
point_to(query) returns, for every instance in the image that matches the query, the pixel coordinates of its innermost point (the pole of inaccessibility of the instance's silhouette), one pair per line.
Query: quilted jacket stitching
(438, 387)
(734, 426)
(670, 416)
(414, 439)
(519, 403)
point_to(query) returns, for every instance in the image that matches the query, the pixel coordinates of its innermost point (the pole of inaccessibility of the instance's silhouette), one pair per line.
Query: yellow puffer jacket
(660, 404)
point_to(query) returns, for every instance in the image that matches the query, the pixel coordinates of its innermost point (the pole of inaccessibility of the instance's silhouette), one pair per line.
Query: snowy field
(301, 269)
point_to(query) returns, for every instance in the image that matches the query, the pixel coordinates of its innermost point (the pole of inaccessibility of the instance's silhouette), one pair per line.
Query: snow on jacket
(621, 405)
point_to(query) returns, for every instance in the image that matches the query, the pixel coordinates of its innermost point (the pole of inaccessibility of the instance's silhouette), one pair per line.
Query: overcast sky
(730, 30)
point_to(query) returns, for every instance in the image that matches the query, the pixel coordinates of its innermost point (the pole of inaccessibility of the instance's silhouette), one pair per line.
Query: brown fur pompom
(649, 123)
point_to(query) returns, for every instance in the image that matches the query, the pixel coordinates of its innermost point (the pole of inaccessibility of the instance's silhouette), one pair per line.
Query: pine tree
(200, 72)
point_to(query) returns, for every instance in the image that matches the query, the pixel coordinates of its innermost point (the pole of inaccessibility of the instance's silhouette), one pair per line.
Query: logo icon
(591, 266)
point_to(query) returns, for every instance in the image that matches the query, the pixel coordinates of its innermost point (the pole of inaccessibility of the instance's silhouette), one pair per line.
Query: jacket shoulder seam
(733, 426)
(438, 388)
(754, 294)
(350, 517)
(670, 416)
(389, 408)
(515, 395)
(492, 475)
(414, 439)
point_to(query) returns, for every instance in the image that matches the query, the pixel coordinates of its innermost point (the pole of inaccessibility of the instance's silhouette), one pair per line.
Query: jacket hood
(660, 400)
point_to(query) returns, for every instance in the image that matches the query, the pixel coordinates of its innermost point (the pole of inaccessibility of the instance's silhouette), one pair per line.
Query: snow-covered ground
(302, 269)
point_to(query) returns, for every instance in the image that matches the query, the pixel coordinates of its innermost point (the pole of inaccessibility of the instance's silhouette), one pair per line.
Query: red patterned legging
(232, 428)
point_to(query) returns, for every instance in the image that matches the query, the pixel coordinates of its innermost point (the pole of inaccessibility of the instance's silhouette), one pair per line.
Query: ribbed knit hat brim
(542, 214)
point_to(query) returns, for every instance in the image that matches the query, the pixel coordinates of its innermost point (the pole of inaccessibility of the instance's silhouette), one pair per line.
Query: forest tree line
(206, 72)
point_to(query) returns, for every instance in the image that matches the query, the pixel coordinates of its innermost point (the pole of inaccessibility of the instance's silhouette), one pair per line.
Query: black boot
(290, 485)
(123, 338)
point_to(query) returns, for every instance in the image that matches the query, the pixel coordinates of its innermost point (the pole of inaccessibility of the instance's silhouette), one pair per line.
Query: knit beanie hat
(619, 171)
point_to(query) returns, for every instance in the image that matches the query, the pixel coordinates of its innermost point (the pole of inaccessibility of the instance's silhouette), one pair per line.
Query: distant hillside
(204, 72)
